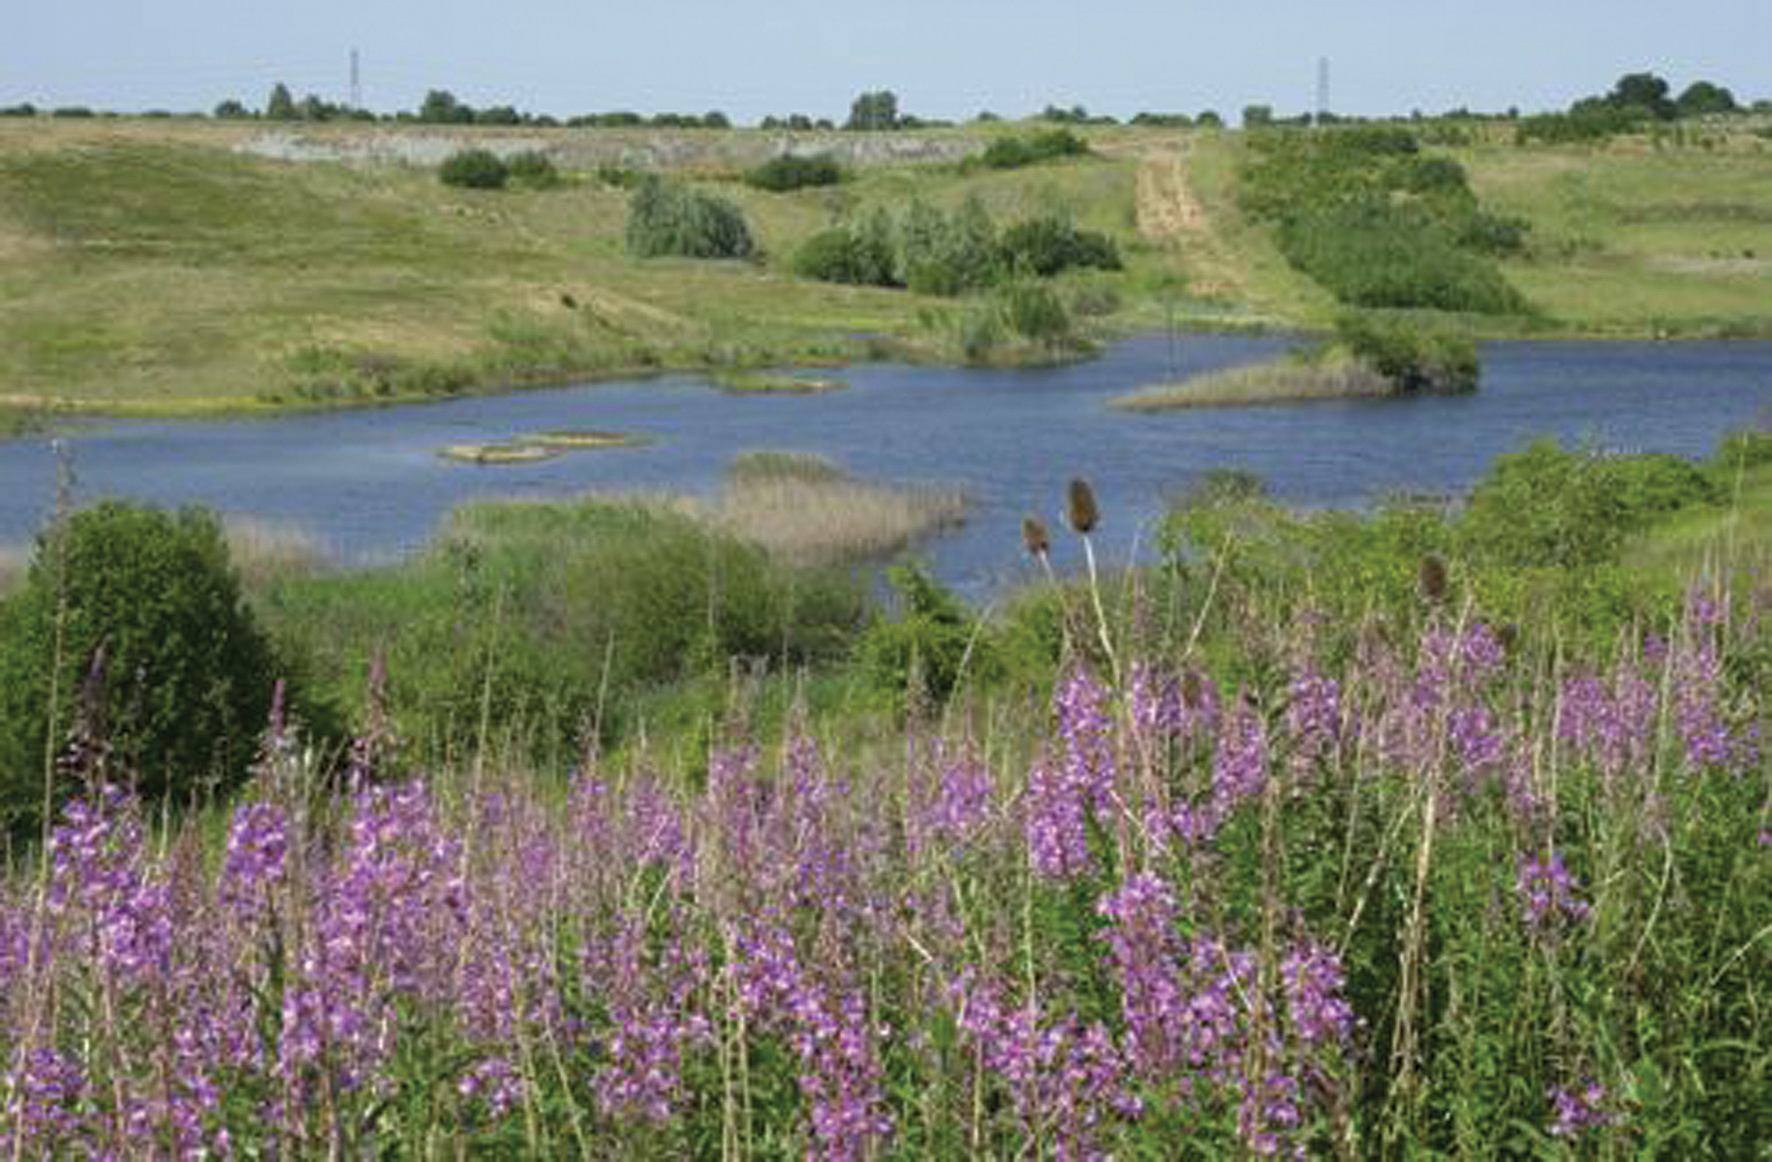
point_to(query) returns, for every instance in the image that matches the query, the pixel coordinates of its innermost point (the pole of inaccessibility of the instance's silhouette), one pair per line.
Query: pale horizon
(943, 60)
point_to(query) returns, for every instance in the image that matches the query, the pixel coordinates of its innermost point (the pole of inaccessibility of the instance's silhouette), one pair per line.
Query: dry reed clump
(262, 550)
(808, 511)
(15, 561)
(1284, 381)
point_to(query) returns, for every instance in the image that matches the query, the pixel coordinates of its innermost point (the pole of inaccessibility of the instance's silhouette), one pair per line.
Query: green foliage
(185, 681)
(845, 255)
(1036, 313)
(1380, 225)
(533, 168)
(924, 651)
(1581, 125)
(874, 111)
(538, 621)
(280, 106)
(1705, 99)
(1014, 152)
(948, 254)
(670, 218)
(474, 169)
(790, 171)
(1573, 509)
(1414, 355)
(1050, 244)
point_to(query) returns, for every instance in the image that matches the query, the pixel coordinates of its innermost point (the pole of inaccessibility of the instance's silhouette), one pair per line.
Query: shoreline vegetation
(539, 447)
(326, 284)
(769, 863)
(1280, 381)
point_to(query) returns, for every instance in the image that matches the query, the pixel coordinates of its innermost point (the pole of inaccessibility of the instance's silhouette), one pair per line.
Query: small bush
(794, 172)
(1048, 245)
(185, 684)
(923, 652)
(844, 255)
(1016, 152)
(1413, 356)
(1036, 313)
(535, 169)
(474, 169)
(669, 219)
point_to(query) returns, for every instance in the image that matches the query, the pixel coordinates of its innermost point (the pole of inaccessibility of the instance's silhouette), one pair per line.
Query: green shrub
(1015, 152)
(948, 254)
(924, 651)
(1413, 355)
(1546, 506)
(534, 168)
(474, 169)
(541, 620)
(1048, 245)
(857, 253)
(793, 172)
(1036, 313)
(185, 684)
(670, 219)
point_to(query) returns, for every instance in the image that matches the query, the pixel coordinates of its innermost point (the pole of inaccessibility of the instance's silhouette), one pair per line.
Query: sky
(943, 58)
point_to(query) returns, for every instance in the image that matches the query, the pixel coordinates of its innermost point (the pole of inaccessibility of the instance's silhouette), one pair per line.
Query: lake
(369, 484)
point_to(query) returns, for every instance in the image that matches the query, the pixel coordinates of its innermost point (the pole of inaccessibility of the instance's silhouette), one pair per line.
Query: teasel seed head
(1083, 514)
(1034, 537)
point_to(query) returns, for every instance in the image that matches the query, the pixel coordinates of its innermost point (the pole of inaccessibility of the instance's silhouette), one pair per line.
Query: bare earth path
(1169, 212)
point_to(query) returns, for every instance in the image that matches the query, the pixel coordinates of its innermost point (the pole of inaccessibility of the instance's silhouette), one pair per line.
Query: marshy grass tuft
(808, 511)
(15, 561)
(1283, 381)
(263, 551)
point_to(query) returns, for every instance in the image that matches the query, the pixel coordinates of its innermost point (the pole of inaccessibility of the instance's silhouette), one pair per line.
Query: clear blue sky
(944, 58)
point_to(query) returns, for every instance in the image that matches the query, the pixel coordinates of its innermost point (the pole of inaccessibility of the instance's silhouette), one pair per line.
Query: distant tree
(1644, 91)
(498, 115)
(1209, 119)
(441, 108)
(716, 120)
(1257, 115)
(312, 108)
(1702, 98)
(874, 111)
(280, 106)
(231, 110)
(474, 169)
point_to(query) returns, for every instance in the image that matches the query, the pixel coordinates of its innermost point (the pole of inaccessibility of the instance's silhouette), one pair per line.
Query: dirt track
(1170, 213)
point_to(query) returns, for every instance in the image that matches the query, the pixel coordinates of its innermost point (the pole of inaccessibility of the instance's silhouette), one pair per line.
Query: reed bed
(1278, 382)
(809, 511)
(15, 560)
(1437, 896)
(263, 550)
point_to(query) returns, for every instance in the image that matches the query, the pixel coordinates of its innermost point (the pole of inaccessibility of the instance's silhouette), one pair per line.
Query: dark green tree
(1703, 99)
(280, 106)
(874, 111)
(177, 677)
(1644, 91)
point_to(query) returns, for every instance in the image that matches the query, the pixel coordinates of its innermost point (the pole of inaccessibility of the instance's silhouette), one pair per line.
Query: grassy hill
(154, 266)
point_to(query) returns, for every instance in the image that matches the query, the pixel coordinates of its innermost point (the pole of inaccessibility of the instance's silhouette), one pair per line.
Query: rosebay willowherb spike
(1081, 510)
(1034, 537)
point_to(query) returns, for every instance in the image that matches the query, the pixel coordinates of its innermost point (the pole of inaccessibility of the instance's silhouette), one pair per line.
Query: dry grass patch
(1285, 381)
(15, 561)
(263, 550)
(808, 511)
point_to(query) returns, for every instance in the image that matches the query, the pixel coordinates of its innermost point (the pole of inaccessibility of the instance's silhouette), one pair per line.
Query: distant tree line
(1635, 102)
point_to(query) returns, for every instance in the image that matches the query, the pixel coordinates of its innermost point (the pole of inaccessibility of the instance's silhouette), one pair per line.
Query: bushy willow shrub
(535, 169)
(1016, 152)
(474, 169)
(671, 219)
(794, 172)
(1378, 224)
(1415, 356)
(131, 634)
(938, 253)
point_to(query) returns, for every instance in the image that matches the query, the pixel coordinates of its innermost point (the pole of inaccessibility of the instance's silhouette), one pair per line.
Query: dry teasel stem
(1034, 537)
(1083, 514)
(1433, 579)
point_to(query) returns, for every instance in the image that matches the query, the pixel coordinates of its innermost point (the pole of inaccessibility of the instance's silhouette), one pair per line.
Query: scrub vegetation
(1421, 830)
